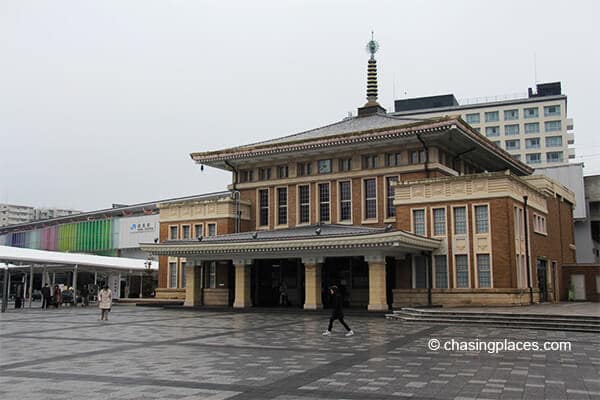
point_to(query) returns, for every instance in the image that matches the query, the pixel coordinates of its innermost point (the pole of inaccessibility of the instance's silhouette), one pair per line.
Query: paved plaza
(154, 353)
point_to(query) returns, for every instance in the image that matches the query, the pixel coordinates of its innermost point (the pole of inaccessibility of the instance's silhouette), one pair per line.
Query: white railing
(491, 99)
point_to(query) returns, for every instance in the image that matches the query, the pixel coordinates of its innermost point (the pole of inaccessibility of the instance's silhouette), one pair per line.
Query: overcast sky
(101, 101)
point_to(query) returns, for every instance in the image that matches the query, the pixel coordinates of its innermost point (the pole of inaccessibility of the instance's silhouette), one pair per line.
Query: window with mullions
(304, 204)
(212, 229)
(264, 174)
(532, 127)
(473, 118)
(483, 271)
(532, 112)
(282, 171)
(462, 271)
(392, 159)
(552, 126)
(304, 169)
(389, 184)
(282, 206)
(185, 231)
(554, 141)
(439, 222)
(370, 198)
(492, 116)
(460, 220)
(345, 164)
(511, 115)
(173, 232)
(419, 222)
(481, 219)
(511, 129)
(369, 162)
(198, 230)
(324, 211)
(212, 274)
(345, 201)
(263, 200)
(183, 265)
(441, 272)
(550, 111)
(172, 274)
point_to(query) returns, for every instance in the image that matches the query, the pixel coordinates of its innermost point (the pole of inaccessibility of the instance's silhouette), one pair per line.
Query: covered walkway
(29, 262)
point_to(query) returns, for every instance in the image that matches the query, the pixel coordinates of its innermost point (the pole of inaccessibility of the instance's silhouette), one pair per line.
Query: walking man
(337, 312)
(45, 296)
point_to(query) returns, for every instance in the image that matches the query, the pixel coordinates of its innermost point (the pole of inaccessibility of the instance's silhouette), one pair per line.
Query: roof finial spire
(372, 106)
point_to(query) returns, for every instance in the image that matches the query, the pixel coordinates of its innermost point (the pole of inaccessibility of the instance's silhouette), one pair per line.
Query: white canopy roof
(17, 255)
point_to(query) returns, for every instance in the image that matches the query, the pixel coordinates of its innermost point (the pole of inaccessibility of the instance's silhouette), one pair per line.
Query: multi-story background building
(533, 128)
(11, 214)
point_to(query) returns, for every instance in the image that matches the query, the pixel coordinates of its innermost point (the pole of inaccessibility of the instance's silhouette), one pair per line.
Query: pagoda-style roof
(326, 239)
(377, 130)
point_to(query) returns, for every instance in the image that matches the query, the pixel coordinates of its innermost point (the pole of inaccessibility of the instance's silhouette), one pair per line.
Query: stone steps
(573, 323)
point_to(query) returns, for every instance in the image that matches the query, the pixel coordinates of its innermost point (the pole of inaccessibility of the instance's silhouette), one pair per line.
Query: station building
(395, 210)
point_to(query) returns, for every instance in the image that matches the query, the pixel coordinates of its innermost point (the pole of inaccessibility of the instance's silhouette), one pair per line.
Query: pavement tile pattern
(153, 353)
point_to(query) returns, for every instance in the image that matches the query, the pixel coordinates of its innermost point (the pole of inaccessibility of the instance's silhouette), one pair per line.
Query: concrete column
(312, 282)
(193, 285)
(5, 286)
(242, 284)
(75, 271)
(377, 284)
(30, 285)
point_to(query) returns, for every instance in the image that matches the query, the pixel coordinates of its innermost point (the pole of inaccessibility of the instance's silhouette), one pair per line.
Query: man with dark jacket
(45, 296)
(337, 312)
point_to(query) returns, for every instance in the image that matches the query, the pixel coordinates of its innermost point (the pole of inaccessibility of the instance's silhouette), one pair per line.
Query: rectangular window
(439, 222)
(513, 144)
(516, 157)
(492, 116)
(554, 141)
(324, 166)
(441, 272)
(419, 222)
(389, 185)
(173, 232)
(511, 115)
(198, 230)
(492, 131)
(370, 198)
(417, 156)
(392, 159)
(282, 171)
(481, 219)
(183, 265)
(552, 111)
(462, 271)
(263, 206)
(304, 169)
(345, 164)
(264, 174)
(324, 214)
(533, 158)
(532, 127)
(554, 156)
(539, 224)
(304, 204)
(460, 220)
(369, 162)
(473, 118)
(246, 176)
(531, 112)
(345, 201)
(212, 275)
(185, 231)
(511, 129)
(212, 229)
(532, 143)
(483, 271)
(282, 206)
(552, 126)
(172, 274)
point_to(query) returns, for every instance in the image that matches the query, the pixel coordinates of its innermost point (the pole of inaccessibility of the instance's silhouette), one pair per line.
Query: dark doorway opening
(351, 275)
(542, 279)
(277, 283)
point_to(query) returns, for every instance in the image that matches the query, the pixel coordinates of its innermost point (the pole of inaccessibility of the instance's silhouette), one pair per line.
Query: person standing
(337, 312)
(19, 296)
(57, 296)
(85, 293)
(45, 296)
(105, 302)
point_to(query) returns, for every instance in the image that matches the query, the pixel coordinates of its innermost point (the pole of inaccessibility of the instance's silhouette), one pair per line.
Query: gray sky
(102, 101)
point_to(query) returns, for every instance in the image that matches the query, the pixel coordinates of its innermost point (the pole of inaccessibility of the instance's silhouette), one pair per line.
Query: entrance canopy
(328, 240)
(17, 257)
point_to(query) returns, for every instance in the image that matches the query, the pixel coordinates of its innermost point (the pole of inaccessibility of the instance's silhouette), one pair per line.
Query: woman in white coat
(105, 302)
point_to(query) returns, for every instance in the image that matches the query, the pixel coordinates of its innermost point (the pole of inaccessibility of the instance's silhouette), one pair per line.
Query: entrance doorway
(578, 281)
(277, 283)
(351, 275)
(542, 268)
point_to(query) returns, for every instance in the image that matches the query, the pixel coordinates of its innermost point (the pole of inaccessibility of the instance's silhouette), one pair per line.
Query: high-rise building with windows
(533, 128)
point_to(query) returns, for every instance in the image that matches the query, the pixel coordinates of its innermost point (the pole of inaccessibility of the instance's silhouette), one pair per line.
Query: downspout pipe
(426, 148)
(527, 261)
(236, 196)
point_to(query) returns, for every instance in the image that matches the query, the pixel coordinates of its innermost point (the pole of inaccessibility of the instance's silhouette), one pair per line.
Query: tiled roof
(303, 232)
